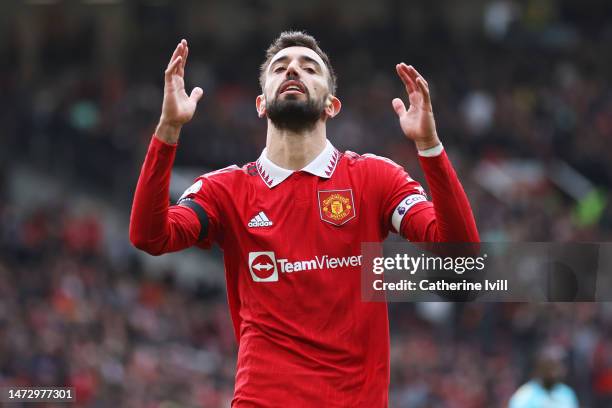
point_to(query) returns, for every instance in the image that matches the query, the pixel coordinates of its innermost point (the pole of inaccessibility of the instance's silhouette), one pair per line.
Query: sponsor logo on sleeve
(409, 202)
(194, 188)
(403, 207)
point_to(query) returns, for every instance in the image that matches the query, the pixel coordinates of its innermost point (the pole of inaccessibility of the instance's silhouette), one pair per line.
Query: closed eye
(279, 69)
(310, 70)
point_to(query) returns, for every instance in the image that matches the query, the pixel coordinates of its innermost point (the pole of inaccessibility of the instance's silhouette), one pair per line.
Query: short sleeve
(201, 198)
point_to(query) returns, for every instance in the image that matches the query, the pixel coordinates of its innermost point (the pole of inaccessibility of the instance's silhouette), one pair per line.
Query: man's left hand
(417, 122)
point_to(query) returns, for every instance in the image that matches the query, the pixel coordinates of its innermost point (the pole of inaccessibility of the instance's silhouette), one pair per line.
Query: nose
(292, 69)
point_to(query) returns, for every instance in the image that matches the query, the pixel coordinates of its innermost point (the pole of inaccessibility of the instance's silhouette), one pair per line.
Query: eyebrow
(301, 58)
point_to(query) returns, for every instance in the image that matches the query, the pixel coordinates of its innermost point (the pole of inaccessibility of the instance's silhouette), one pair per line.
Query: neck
(294, 150)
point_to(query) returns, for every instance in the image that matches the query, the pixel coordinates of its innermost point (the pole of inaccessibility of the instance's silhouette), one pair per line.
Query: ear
(260, 105)
(332, 106)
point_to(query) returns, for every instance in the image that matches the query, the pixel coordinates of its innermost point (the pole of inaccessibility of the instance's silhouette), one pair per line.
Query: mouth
(292, 88)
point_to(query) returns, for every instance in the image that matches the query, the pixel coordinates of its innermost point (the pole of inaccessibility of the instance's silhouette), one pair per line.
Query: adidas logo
(260, 220)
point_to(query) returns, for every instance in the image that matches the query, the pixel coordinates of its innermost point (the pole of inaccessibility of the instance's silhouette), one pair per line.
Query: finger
(185, 54)
(412, 86)
(176, 53)
(400, 72)
(180, 70)
(406, 79)
(425, 90)
(415, 74)
(410, 72)
(196, 94)
(421, 83)
(172, 67)
(398, 106)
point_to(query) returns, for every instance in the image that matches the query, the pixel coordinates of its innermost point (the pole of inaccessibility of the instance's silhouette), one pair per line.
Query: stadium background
(523, 104)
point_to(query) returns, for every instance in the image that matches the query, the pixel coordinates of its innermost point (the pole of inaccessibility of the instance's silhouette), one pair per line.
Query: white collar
(323, 166)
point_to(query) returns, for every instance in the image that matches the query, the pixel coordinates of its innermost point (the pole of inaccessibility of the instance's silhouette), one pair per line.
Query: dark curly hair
(296, 39)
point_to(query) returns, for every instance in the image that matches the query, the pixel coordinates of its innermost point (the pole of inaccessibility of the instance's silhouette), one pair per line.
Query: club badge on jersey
(336, 206)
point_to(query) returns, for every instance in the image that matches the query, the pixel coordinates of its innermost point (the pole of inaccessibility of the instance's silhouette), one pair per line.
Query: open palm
(178, 107)
(417, 122)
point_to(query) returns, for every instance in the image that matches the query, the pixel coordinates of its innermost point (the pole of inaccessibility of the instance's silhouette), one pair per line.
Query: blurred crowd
(523, 104)
(73, 315)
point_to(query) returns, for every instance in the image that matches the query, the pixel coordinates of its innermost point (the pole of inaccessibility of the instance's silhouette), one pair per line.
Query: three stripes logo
(260, 220)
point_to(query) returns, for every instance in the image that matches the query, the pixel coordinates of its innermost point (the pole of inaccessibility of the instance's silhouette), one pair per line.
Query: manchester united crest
(336, 206)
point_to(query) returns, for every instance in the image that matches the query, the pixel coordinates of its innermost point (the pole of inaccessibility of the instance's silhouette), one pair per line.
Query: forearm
(154, 226)
(167, 132)
(451, 218)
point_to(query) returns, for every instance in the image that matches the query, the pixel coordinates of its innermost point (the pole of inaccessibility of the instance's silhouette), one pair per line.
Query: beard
(295, 115)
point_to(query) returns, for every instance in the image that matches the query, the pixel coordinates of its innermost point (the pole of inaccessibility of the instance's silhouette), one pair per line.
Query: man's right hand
(178, 107)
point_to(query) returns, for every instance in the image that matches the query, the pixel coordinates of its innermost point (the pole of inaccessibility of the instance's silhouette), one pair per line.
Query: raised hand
(417, 122)
(178, 107)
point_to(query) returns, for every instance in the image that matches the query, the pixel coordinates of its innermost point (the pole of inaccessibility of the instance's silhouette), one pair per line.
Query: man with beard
(291, 226)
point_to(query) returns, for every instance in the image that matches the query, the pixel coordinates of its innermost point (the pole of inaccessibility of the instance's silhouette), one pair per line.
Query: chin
(292, 112)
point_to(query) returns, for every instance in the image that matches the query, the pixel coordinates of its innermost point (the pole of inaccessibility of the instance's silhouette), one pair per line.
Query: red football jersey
(292, 253)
